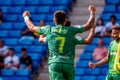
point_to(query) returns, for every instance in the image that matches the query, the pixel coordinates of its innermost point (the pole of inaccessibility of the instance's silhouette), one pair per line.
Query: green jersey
(112, 54)
(61, 42)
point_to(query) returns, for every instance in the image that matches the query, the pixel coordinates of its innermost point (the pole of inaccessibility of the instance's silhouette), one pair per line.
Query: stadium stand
(13, 24)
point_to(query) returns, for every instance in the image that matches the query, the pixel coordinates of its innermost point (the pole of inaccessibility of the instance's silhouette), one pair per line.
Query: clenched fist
(92, 65)
(92, 8)
(26, 13)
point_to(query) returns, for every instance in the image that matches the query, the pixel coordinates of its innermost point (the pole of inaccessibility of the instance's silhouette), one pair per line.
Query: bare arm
(91, 19)
(29, 23)
(89, 39)
(101, 62)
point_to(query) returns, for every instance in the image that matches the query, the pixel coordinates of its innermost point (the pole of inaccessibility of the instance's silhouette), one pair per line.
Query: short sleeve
(43, 30)
(77, 29)
(79, 41)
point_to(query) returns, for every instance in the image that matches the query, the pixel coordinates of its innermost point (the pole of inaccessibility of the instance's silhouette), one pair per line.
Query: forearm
(101, 62)
(90, 21)
(89, 39)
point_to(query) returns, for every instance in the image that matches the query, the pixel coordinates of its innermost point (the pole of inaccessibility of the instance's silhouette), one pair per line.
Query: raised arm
(101, 62)
(28, 22)
(91, 19)
(89, 39)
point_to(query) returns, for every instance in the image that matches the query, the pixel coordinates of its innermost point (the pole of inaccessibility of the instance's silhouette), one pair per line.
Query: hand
(26, 13)
(92, 8)
(92, 65)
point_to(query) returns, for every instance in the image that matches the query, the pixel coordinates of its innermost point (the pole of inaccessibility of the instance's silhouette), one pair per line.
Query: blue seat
(117, 16)
(105, 16)
(90, 48)
(38, 17)
(82, 64)
(101, 77)
(26, 41)
(4, 33)
(104, 71)
(43, 9)
(5, 26)
(19, 25)
(5, 2)
(112, 1)
(55, 8)
(14, 10)
(14, 33)
(7, 72)
(36, 56)
(49, 18)
(11, 41)
(35, 2)
(92, 72)
(107, 40)
(23, 72)
(79, 71)
(30, 8)
(4, 9)
(20, 2)
(39, 49)
(89, 78)
(95, 41)
(77, 78)
(18, 48)
(109, 8)
(51, 23)
(47, 2)
(86, 56)
(118, 9)
(10, 17)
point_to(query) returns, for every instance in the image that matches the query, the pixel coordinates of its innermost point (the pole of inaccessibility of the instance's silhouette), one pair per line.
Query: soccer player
(114, 69)
(61, 43)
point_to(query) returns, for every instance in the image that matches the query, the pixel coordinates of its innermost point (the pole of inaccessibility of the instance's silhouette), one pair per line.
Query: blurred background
(22, 57)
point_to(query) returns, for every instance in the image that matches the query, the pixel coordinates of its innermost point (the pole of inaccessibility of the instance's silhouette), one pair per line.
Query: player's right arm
(101, 62)
(91, 19)
(29, 23)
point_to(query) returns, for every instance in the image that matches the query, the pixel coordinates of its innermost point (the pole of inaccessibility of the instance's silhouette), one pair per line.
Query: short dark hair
(67, 23)
(116, 27)
(23, 49)
(60, 17)
(101, 20)
(11, 49)
(112, 16)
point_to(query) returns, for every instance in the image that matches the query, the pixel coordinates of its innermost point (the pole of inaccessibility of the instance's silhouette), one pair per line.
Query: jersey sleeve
(79, 41)
(43, 30)
(77, 29)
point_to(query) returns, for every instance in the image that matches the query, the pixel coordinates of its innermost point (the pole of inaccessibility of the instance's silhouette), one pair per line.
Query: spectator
(100, 29)
(100, 52)
(11, 61)
(3, 49)
(110, 24)
(25, 60)
(42, 23)
(1, 63)
(1, 16)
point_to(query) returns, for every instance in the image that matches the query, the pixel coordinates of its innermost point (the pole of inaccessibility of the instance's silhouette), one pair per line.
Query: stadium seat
(50, 18)
(18, 48)
(7, 72)
(38, 17)
(10, 18)
(4, 9)
(5, 2)
(106, 16)
(11, 41)
(35, 2)
(90, 48)
(35, 56)
(79, 71)
(19, 25)
(82, 64)
(89, 78)
(14, 33)
(6, 26)
(77, 78)
(19, 3)
(26, 41)
(95, 40)
(117, 16)
(104, 71)
(92, 72)
(47, 2)
(55, 8)
(101, 77)
(112, 1)
(14, 10)
(32, 9)
(43, 10)
(107, 40)
(23, 72)
(109, 8)
(4, 33)
(86, 56)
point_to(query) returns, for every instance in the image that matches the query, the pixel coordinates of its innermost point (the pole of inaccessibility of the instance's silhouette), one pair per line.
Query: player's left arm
(29, 23)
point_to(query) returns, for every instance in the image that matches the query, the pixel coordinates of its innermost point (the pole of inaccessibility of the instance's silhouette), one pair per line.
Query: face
(42, 23)
(115, 34)
(1, 43)
(112, 20)
(11, 52)
(99, 22)
(23, 52)
(100, 42)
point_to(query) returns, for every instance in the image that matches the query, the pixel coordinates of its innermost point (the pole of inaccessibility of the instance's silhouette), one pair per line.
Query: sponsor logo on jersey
(113, 53)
